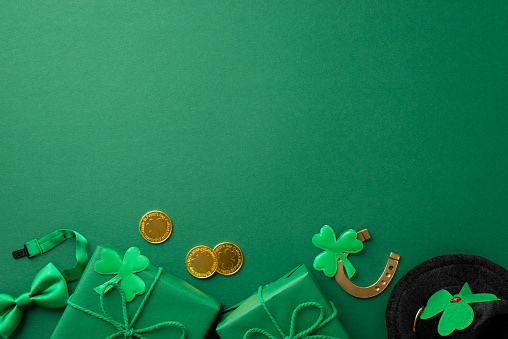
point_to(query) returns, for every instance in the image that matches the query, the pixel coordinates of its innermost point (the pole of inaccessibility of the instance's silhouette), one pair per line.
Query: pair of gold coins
(226, 259)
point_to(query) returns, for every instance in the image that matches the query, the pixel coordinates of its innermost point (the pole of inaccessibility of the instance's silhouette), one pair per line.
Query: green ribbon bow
(327, 260)
(127, 328)
(133, 262)
(304, 334)
(48, 290)
(457, 314)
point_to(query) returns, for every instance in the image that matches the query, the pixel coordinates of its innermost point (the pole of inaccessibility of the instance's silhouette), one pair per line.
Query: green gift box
(292, 307)
(168, 308)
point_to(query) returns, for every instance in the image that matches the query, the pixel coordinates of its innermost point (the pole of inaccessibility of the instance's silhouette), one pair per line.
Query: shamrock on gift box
(133, 262)
(457, 314)
(327, 260)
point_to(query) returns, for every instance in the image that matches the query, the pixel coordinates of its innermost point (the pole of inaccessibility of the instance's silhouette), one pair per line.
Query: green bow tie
(48, 290)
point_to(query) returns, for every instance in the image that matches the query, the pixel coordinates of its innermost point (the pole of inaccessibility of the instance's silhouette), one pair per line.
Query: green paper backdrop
(255, 123)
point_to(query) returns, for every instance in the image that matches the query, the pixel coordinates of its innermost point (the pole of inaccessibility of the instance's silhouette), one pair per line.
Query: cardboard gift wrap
(293, 303)
(171, 308)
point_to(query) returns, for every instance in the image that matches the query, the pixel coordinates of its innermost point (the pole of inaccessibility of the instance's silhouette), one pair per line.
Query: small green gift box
(136, 300)
(292, 307)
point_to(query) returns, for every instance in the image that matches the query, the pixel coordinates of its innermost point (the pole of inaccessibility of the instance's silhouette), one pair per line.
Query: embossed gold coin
(230, 258)
(155, 227)
(201, 262)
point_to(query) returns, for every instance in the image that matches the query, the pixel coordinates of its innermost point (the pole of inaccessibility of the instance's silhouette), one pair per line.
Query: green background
(255, 123)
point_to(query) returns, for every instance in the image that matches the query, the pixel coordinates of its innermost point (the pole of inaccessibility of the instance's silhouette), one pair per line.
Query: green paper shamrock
(457, 314)
(327, 260)
(133, 262)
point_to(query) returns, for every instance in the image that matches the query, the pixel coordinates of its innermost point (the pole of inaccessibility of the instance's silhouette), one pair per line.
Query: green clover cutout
(133, 262)
(327, 260)
(457, 314)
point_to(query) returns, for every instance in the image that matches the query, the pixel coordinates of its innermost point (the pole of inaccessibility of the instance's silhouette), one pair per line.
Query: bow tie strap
(48, 290)
(40, 246)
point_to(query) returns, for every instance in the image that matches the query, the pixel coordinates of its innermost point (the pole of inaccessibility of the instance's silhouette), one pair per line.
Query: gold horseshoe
(374, 289)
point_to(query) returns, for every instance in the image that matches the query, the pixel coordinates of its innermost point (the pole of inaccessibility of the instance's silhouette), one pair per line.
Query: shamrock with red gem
(457, 314)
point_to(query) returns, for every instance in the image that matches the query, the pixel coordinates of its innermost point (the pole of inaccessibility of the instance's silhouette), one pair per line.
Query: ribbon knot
(129, 333)
(127, 328)
(304, 334)
(24, 301)
(48, 290)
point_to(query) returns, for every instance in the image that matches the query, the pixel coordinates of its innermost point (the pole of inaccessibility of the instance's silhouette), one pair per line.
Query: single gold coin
(230, 258)
(155, 227)
(201, 262)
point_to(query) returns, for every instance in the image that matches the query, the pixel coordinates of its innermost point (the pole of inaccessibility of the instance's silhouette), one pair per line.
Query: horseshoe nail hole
(383, 282)
(377, 288)
(388, 275)
(391, 268)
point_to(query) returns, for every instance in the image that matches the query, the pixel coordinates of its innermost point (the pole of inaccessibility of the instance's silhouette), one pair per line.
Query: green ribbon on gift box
(127, 328)
(305, 334)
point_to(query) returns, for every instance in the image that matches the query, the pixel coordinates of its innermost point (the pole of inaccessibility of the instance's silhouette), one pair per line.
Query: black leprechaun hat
(450, 296)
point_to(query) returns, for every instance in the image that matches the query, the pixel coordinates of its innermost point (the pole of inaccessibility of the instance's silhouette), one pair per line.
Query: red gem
(455, 300)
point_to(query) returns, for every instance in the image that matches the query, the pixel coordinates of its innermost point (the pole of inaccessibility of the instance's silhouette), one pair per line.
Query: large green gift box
(174, 303)
(293, 303)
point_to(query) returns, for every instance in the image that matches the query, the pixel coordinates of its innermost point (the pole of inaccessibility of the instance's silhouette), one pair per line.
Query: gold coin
(201, 262)
(230, 258)
(155, 227)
